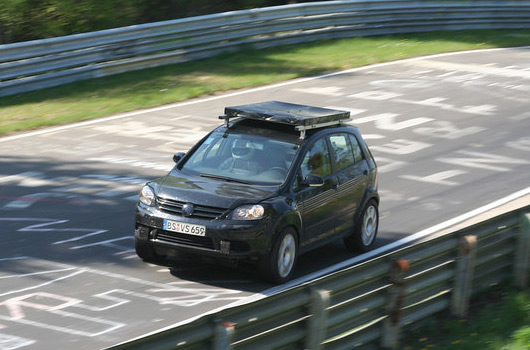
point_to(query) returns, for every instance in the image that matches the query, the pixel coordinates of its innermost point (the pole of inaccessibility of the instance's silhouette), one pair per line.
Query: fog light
(142, 231)
(225, 247)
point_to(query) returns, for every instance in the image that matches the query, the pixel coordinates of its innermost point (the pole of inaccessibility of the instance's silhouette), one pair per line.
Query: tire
(278, 266)
(363, 237)
(144, 250)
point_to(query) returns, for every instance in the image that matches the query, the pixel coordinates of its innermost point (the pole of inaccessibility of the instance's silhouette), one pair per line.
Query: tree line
(23, 20)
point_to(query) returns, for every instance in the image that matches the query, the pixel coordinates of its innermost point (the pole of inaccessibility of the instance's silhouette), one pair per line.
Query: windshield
(242, 157)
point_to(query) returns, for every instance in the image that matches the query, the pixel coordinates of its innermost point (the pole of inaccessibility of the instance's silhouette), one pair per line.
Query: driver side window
(316, 160)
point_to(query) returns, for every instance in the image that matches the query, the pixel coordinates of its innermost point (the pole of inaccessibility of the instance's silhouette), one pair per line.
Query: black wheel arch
(290, 218)
(371, 194)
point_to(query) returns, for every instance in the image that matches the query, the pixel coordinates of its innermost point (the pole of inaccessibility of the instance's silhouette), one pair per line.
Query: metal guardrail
(365, 306)
(45, 63)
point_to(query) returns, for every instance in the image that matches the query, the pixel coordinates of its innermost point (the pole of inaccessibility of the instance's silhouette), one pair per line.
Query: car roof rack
(302, 117)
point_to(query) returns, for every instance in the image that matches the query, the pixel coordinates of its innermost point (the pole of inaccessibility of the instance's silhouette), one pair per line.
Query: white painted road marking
(398, 150)
(508, 72)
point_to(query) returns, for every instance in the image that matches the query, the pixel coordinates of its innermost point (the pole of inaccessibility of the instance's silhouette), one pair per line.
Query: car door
(351, 171)
(314, 202)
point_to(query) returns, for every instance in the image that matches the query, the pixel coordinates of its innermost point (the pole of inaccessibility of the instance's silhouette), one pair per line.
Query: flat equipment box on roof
(302, 117)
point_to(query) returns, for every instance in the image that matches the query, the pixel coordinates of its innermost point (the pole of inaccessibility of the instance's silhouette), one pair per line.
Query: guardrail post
(317, 322)
(392, 324)
(224, 334)
(465, 266)
(522, 254)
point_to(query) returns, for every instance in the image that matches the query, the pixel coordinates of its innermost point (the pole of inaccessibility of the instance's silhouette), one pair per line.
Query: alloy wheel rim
(286, 255)
(369, 225)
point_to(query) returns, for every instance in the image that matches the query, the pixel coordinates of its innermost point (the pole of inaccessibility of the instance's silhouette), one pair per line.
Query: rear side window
(316, 160)
(342, 149)
(357, 153)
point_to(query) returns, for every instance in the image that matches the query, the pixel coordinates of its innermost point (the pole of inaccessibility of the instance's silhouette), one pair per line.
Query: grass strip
(249, 68)
(499, 320)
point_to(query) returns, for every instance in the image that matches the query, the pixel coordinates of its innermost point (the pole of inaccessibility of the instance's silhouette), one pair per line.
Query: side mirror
(178, 156)
(313, 180)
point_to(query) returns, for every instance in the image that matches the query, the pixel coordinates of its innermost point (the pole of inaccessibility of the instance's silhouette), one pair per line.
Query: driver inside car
(243, 160)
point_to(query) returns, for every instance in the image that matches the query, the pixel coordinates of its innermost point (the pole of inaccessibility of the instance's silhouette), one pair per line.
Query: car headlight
(147, 195)
(248, 212)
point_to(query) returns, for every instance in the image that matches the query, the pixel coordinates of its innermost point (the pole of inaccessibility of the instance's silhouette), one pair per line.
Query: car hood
(211, 192)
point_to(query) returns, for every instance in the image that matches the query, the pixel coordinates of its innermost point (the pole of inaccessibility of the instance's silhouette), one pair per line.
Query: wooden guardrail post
(224, 334)
(396, 297)
(522, 254)
(465, 267)
(317, 322)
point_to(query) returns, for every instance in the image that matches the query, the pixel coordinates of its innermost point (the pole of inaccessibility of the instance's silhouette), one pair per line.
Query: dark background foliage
(22, 20)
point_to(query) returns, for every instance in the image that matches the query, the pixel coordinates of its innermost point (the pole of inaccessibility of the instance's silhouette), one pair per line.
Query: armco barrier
(44, 63)
(367, 305)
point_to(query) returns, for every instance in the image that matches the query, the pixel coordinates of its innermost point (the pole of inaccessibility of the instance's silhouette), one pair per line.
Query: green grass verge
(157, 86)
(499, 320)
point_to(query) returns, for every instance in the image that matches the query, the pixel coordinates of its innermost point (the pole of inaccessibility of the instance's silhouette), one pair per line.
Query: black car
(276, 180)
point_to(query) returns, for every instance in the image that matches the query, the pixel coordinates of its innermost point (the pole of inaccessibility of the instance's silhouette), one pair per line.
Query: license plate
(181, 227)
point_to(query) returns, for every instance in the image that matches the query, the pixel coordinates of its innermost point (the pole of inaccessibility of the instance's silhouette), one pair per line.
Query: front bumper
(223, 239)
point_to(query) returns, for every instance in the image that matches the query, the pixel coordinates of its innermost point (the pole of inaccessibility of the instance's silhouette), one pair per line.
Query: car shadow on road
(245, 276)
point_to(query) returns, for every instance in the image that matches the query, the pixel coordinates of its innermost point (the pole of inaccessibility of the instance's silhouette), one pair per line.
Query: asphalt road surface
(450, 133)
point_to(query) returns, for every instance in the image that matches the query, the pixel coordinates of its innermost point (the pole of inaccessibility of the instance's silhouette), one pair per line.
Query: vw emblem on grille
(188, 209)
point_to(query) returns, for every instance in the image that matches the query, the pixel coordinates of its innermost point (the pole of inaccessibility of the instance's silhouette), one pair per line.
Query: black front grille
(184, 239)
(200, 211)
(239, 247)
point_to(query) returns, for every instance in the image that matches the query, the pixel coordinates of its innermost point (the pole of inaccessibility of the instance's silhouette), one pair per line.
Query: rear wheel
(278, 266)
(365, 231)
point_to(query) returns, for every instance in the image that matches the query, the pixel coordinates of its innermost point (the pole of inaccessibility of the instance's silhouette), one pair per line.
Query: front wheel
(278, 266)
(365, 231)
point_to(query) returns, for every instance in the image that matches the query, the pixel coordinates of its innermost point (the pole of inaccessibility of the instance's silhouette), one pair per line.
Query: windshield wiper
(228, 179)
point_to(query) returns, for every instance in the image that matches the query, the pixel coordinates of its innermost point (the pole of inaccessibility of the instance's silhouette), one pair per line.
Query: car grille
(184, 239)
(237, 246)
(201, 211)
